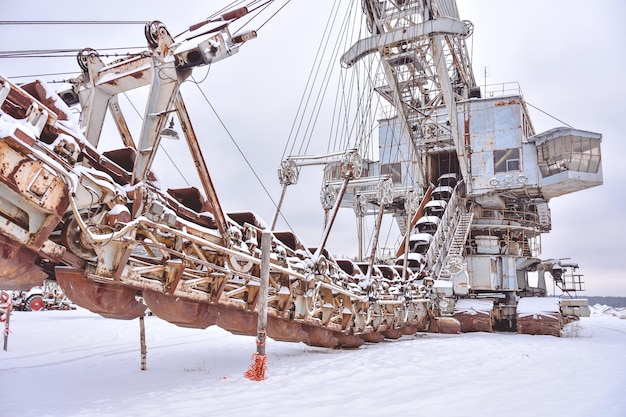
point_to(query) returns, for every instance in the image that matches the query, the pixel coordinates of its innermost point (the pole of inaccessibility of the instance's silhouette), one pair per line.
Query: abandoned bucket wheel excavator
(460, 170)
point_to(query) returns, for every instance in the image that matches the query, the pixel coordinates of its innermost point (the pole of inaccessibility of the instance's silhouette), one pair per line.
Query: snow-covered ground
(75, 363)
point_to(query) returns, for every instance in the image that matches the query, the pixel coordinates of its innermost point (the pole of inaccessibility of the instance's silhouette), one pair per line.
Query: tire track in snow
(609, 328)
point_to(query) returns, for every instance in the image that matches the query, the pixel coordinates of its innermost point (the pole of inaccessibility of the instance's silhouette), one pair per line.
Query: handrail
(524, 218)
(438, 247)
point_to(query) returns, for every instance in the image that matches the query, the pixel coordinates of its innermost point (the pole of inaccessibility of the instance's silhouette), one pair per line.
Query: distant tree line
(609, 301)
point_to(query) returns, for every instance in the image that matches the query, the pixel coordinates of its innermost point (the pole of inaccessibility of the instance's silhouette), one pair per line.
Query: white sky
(566, 55)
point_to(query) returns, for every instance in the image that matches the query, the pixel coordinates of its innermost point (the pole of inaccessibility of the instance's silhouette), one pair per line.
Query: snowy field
(75, 363)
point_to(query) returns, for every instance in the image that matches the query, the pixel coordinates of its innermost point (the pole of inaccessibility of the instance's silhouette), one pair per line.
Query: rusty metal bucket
(108, 300)
(17, 268)
(181, 312)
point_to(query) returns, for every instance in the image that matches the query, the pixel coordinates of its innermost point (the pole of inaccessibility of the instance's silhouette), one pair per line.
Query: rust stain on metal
(466, 127)
(181, 312)
(17, 267)
(506, 102)
(107, 300)
(539, 324)
(475, 322)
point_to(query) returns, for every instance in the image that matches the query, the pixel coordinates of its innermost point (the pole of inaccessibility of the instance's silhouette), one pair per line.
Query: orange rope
(256, 372)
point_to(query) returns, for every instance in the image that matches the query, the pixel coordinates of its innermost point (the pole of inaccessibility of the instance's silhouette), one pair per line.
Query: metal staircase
(444, 237)
(454, 259)
(460, 235)
(402, 222)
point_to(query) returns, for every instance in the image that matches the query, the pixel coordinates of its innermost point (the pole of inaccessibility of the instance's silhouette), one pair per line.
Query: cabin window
(506, 160)
(527, 128)
(332, 171)
(394, 170)
(569, 152)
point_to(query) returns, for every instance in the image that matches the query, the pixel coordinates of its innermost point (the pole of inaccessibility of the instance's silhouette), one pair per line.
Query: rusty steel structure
(98, 223)
(117, 244)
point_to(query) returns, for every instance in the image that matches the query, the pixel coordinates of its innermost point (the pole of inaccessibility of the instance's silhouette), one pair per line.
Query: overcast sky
(566, 55)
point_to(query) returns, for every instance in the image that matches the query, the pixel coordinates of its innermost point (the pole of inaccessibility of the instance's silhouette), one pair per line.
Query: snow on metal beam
(440, 26)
